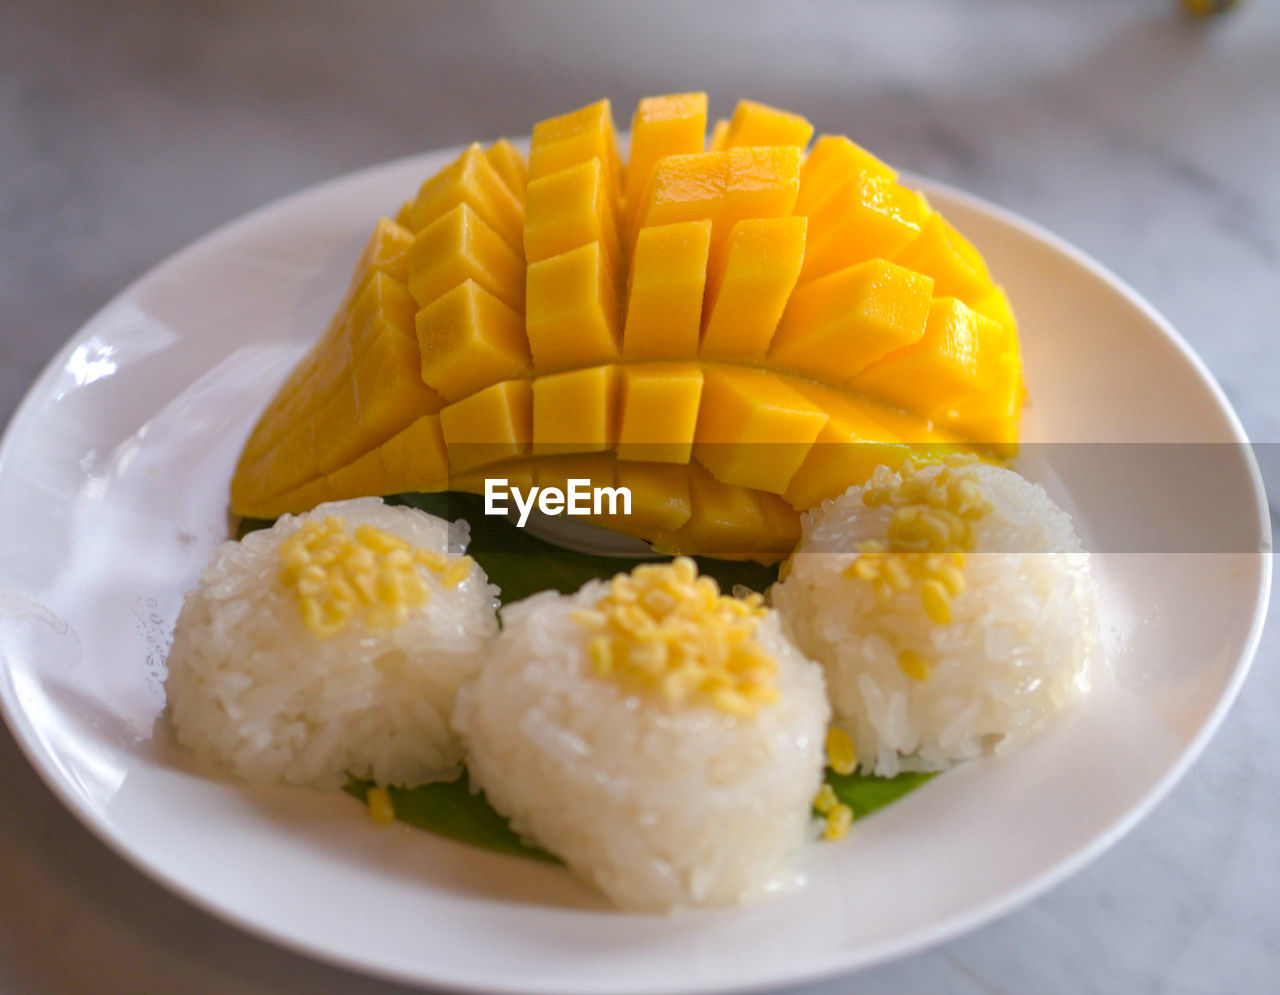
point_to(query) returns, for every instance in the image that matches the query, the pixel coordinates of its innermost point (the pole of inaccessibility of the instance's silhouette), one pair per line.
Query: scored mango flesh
(736, 329)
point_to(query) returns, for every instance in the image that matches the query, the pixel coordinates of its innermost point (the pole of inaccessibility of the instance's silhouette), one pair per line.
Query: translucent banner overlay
(1123, 497)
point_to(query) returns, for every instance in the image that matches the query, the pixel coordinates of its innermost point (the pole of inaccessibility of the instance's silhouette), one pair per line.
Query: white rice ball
(1016, 650)
(661, 805)
(252, 688)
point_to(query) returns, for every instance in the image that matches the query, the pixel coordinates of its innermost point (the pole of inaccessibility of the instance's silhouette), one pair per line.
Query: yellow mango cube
(754, 429)
(869, 217)
(831, 163)
(722, 187)
(576, 411)
(662, 126)
(939, 370)
(724, 520)
(760, 124)
(416, 458)
(684, 188)
(659, 499)
(848, 449)
(459, 246)
(387, 250)
(571, 310)
(995, 305)
(659, 411)
(559, 143)
(508, 162)
(761, 182)
(380, 301)
(469, 339)
(747, 294)
(471, 180)
(836, 327)
(492, 424)
(668, 279)
(570, 209)
(878, 421)
(389, 390)
(942, 253)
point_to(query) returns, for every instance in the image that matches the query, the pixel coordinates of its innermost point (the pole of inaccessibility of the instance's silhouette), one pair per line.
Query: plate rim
(28, 741)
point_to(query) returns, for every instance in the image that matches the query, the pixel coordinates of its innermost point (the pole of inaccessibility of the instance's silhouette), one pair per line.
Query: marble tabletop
(1151, 142)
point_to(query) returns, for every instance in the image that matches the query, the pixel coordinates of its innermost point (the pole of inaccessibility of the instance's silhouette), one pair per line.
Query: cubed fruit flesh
(489, 426)
(662, 126)
(748, 292)
(469, 339)
(571, 139)
(570, 209)
(836, 327)
(456, 247)
(508, 162)
(753, 428)
(830, 163)
(471, 180)
(664, 301)
(571, 310)
(736, 334)
(868, 217)
(575, 411)
(943, 366)
(659, 411)
(943, 254)
(759, 124)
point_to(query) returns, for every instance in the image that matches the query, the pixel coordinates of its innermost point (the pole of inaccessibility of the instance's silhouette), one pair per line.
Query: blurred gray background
(1150, 141)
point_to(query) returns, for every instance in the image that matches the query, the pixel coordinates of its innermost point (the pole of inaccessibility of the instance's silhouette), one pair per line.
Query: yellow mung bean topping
(841, 756)
(381, 808)
(839, 819)
(337, 574)
(928, 535)
(667, 632)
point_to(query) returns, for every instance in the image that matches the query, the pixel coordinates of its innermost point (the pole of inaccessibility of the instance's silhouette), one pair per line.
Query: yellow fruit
(662, 126)
(456, 247)
(753, 428)
(659, 403)
(748, 292)
(508, 163)
(735, 333)
(489, 426)
(759, 124)
(571, 310)
(468, 340)
(575, 411)
(835, 327)
(664, 302)
(471, 180)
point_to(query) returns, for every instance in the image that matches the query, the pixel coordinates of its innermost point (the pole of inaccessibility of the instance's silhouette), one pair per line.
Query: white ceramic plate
(113, 482)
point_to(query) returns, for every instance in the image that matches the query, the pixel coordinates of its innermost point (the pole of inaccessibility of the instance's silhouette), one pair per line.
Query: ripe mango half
(736, 330)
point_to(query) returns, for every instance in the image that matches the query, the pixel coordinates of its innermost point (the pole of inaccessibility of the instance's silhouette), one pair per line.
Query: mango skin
(738, 328)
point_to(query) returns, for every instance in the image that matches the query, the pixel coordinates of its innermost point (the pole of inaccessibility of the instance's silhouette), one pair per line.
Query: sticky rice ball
(331, 644)
(664, 740)
(952, 607)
